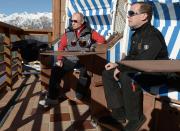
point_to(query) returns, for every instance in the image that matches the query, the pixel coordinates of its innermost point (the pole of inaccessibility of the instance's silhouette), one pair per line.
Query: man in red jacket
(76, 38)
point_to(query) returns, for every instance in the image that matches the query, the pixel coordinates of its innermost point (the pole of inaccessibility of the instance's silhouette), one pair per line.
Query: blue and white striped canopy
(99, 13)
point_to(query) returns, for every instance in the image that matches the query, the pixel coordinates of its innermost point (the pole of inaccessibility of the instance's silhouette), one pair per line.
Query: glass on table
(73, 43)
(83, 44)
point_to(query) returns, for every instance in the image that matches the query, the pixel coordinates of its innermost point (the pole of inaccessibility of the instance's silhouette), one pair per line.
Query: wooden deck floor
(26, 115)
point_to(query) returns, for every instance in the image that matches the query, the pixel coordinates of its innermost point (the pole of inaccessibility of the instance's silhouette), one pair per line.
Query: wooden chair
(160, 99)
(100, 16)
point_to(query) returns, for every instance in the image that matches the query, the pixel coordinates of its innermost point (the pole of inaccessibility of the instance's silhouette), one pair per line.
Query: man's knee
(56, 68)
(124, 75)
(107, 74)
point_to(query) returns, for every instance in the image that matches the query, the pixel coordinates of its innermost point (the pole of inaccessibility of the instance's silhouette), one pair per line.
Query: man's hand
(116, 74)
(110, 66)
(59, 63)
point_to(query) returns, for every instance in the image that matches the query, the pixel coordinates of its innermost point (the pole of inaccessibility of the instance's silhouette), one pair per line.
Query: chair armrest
(113, 39)
(98, 83)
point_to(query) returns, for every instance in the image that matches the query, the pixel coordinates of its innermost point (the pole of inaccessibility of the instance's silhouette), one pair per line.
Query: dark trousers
(125, 97)
(57, 73)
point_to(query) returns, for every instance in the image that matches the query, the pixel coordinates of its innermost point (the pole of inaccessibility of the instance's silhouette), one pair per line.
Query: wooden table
(153, 65)
(71, 53)
(85, 57)
(92, 60)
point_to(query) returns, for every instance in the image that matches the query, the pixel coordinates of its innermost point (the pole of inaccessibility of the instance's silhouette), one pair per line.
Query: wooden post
(56, 18)
(19, 37)
(50, 37)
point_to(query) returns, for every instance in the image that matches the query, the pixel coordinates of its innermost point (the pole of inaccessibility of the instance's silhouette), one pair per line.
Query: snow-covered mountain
(28, 20)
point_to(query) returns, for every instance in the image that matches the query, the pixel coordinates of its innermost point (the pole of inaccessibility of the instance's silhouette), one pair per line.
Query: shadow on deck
(24, 113)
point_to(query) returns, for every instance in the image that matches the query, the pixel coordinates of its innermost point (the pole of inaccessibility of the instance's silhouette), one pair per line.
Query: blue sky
(31, 6)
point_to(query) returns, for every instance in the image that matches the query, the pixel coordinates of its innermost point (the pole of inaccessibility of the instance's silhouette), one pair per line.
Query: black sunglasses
(75, 21)
(132, 13)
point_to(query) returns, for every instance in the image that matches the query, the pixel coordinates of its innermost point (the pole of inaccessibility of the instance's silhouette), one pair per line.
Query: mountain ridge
(24, 20)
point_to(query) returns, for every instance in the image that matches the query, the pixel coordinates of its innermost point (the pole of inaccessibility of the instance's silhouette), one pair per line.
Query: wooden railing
(10, 62)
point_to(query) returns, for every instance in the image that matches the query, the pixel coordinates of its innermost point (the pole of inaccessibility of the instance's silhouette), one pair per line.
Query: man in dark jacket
(72, 40)
(124, 98)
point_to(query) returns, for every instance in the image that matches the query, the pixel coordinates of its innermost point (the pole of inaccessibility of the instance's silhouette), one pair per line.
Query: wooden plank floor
(27, 115)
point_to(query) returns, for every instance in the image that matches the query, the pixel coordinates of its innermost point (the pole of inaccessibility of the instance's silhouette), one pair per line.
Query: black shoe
(48, 102)
(110, 124)
(111, 120)
(134, 125)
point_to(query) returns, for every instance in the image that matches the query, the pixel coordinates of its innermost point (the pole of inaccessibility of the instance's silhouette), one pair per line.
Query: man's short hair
(145, 8)
(81, 16)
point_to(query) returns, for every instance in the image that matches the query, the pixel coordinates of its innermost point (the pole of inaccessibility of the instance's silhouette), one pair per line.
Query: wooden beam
(37, 31)
(11, 29)
(56, 18)
(18, 31)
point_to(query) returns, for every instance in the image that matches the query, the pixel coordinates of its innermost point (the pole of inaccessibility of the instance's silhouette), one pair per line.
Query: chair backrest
(98, 13)
(166, 18)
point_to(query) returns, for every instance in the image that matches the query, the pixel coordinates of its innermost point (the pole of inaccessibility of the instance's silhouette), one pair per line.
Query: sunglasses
(75, 21)
(132, 13)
